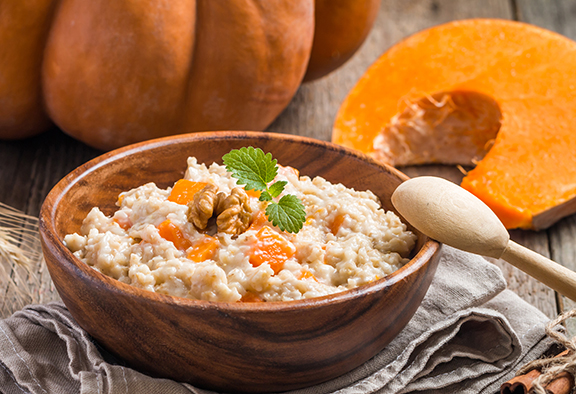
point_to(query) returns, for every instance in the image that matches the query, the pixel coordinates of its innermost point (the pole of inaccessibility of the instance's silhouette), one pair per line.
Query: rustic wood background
(29, 168)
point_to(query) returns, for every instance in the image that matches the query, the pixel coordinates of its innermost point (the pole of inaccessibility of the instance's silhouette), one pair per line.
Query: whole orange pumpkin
(114, 72)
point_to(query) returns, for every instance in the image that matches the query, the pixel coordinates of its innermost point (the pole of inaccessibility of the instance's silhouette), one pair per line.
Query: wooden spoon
(449, 214)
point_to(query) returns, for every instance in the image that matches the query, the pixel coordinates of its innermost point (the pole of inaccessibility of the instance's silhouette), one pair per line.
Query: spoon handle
(552, 274)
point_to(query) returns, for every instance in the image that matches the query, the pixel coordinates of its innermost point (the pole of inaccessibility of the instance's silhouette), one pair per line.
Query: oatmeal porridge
(208, 238)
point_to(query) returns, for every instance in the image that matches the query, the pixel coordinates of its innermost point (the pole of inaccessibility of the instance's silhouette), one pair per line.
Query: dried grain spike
(21, 262)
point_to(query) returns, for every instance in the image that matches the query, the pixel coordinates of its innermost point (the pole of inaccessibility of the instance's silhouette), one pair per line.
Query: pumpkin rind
(251, 57)
(117, 72)
(341, 26)
(111, 73)
(23, 28)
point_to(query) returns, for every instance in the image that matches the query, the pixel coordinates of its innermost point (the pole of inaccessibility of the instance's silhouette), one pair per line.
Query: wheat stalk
(20, 259)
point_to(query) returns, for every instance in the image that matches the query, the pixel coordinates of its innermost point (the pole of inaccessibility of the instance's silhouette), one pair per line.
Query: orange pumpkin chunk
(183, 191)
(251, 297)
(170, 232)
(271, 248)
(253, 193)
(258, 221)
(204, 249)
(124, 222)
(337, 223)
(307, 274)
(498, 93)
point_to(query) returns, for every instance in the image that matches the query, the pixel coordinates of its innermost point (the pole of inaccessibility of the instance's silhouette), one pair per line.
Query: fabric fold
(469, 335)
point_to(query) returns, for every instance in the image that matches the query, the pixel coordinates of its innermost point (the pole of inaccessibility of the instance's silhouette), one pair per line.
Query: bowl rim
(52, 243)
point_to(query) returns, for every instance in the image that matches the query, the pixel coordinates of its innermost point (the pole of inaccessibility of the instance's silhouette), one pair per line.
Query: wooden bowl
(251, 347)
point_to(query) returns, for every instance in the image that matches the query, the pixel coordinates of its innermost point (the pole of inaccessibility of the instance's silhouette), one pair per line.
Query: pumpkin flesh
(459, 127)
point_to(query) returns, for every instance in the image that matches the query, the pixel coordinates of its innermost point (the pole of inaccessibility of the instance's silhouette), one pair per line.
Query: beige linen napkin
(469, 336)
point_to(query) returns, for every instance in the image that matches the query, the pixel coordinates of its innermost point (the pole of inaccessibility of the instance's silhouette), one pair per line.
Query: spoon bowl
(450, 214)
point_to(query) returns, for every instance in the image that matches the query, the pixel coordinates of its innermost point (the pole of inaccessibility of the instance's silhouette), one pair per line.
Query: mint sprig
(256, 170)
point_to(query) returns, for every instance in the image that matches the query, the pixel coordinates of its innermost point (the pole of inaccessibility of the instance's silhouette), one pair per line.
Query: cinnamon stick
(522, 384)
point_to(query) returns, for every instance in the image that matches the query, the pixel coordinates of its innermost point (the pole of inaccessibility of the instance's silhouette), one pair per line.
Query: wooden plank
(31, 167)
(558, 16)
(539, 295)
(555, 15)
(563, 245)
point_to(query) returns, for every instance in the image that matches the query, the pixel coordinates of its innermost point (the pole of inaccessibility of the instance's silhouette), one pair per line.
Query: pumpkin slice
(495, 93)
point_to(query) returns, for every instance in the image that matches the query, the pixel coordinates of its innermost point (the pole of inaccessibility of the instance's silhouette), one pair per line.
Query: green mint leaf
(251, 167)
(265, 196)
(277, 188)
(288, 214)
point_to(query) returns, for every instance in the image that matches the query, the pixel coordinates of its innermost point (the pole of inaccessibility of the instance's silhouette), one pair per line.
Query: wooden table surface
(29, 168)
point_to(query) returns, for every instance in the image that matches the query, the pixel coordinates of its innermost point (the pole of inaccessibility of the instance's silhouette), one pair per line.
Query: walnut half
(234, 212)
(201, 208)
